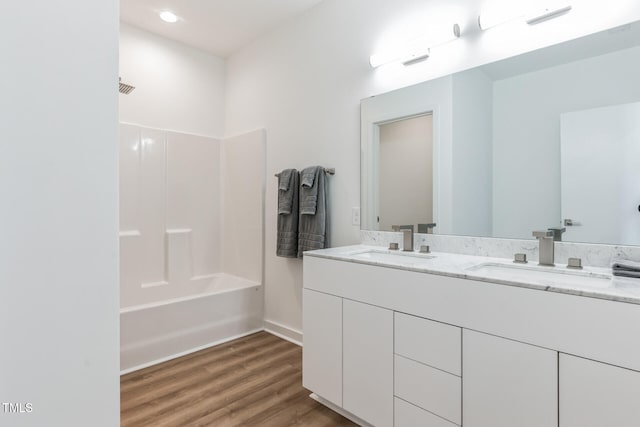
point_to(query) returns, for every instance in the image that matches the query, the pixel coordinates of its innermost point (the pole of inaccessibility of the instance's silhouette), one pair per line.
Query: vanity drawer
(408, 415)
(431, 389)
(432, 343)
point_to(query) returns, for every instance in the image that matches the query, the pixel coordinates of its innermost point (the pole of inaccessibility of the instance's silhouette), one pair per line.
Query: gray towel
(287, 244)
(625, 264)
(312, 228)
(286, 190)
(309, 189)
(626, 268)
(627, 273)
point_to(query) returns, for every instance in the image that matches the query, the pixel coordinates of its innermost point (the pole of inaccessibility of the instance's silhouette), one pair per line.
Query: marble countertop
(594, 282)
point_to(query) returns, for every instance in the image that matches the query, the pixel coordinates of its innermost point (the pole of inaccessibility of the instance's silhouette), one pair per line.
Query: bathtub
(210, 311)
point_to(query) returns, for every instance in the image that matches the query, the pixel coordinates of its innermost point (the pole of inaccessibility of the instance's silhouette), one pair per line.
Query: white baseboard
(284, 332)
(339, 410)
(184, 353)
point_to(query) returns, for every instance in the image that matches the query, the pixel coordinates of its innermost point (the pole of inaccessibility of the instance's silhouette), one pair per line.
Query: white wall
(178, 87)
(526, 124)
(472, 154)
(59, 186)
(304, 81)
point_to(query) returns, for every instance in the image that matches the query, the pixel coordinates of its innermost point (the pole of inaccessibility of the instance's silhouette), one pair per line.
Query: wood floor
(252, 381)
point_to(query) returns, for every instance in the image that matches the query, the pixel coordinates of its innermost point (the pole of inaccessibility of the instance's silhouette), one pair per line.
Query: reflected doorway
(405, 179)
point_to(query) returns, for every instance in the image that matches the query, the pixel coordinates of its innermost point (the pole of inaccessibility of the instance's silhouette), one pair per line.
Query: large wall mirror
(547, 139)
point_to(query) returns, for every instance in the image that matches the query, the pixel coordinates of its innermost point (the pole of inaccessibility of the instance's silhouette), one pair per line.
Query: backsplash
(591, 254)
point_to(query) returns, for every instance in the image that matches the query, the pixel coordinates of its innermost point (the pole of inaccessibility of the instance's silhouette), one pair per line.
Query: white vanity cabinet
(368, 362)
(407, 349)
(348, 355)
(508, 383)
(594, 394)
(322, 355)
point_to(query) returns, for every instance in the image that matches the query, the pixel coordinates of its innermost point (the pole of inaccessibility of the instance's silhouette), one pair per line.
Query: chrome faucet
(407, 237)
(557, 233)
(426, 228)
(545, 254)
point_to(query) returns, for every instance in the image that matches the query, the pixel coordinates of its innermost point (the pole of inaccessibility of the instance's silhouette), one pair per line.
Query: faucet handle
(575, 263)
(543, 233)
(520, 258)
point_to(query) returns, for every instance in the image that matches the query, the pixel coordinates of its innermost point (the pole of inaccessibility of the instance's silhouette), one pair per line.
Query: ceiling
(219, 27)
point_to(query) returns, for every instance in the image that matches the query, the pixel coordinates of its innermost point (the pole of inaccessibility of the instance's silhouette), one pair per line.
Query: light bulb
(168, 16)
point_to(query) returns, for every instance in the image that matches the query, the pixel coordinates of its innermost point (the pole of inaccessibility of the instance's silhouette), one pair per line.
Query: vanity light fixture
(547, 14)
(494, 18)
(416, 56)
(417, 50)
(168, 16)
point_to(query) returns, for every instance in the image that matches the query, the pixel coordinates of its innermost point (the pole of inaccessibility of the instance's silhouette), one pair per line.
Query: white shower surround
(189, 207)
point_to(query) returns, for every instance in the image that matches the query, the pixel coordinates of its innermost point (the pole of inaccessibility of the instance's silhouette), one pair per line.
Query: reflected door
(406, 172)
(600, 174)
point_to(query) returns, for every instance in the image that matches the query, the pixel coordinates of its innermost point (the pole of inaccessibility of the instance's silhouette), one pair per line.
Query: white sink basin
(408, 259)
(559, 275)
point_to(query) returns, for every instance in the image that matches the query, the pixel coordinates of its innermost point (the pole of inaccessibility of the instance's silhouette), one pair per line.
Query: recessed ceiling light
(168, 16)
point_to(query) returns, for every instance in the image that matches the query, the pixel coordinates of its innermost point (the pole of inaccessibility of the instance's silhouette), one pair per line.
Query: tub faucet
(545, 253)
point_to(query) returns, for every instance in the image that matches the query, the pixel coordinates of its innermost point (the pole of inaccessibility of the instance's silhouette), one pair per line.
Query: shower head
(125, 88)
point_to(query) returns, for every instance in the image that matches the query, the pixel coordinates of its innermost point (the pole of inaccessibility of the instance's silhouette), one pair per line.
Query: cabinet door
(506, 383)
(368, 362)
(594, 394)
(322, 350)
